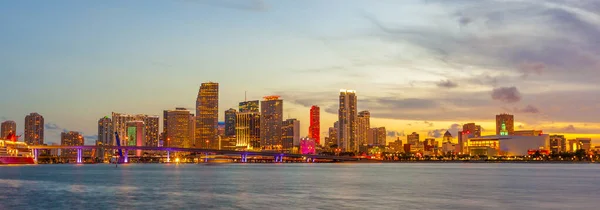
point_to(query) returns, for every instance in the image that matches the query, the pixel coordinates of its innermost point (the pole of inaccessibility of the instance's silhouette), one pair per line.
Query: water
(301, 186)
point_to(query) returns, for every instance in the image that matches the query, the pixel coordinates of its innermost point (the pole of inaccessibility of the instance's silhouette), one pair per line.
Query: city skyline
(423, 72)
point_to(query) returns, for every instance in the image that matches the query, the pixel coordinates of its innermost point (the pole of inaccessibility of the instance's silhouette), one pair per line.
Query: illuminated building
(332, 133)
(413, 139)
(528, 133)
(291, 133)
(377, 136)
(105, 135)
(463, 137)
(249, 106)
(448, 147)
(135, 135)
(447, 137)
(7, 127)
(314, 129)
(177, 128)
(34, 129)
(509, 124)
(506, 145)
(473, 129)
(271, 119)
(119, 123)
(71, 138)
(558, 143)
(247, 130)
(230, 122)
(207, 115)
(363, 128)
(347, 114)
(580, 144)
(307, 146)
(396, 146)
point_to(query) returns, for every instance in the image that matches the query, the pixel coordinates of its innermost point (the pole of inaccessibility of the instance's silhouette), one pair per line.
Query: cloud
(464, 21)
(52, 126)
(446, 84)
(454, 128)
(528, 109)
(394, 134)
(437, 133)
(506, 94)
(429, 124)
(569, 128)
(532, 68)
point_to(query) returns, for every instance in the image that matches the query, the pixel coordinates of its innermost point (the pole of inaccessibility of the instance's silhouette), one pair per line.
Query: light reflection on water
(305, 186)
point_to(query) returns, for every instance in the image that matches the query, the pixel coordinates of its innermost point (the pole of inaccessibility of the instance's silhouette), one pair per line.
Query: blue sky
(411, 62)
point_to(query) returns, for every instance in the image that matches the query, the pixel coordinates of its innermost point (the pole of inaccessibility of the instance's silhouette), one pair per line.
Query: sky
(422, 66)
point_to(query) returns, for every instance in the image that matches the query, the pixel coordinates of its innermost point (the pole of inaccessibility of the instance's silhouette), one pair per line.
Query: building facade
(105, 136)
(119, 123)
(307, 146)
(413, 139)
(558, 143)
(34, 129)
(271, 119)
(363, 128)
(580, 144)
(177, 129)
(8, 127)
(332, 135)
(207, 115)
(314, 129)
(230, 116)
(249, 106)
(509, 123)
(528, 133)
(347, 114)
(472, 128)
(291, 133)
(247, 131)
(71, 138)
(136, 131)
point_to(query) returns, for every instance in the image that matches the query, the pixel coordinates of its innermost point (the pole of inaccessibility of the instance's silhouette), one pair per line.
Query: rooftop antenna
(245, 98)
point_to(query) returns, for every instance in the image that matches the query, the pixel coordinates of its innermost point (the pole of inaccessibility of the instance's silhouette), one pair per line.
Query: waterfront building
(247, 131)
(291, 133)
(413, 139)
(507, 145)
(249, 106)
(151, 129)
(8, 127)
(314, 129)
(307, 146)
(105, 136)
(347, 114)
(447, 137)
(364, 128)
(448, 147)
(558, 143)
(396, 146)
(136, 131)
(207, 115)
(376, 136)
(34, 129)
(71, 138)
(580, 143)
(178, 128)
(230, 116)
(333, 135)
(506, 122)
(271, 119)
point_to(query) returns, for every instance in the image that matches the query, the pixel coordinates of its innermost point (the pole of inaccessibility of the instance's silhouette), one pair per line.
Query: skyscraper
(314, 129)
(364, 124)
(508, 121)
(119, 123)
(176, 128)
(332, 135)
(207, 115)
(347, 121)
(376, 136)
(291, 133)
(271, 119)
(34, 129)
(230, 116)
(105, 135)
(413, 139)
(249, 106)
(71, 138)
(471, 128)
(8, 127)
(247, 130)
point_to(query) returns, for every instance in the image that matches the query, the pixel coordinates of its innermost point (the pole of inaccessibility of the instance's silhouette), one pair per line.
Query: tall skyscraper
(249, 106)
(413, 139)
(71, 138)
(230, 116)
(364, 124)
(291, 133)
(508, 121)
(471, 128)
(207, 115)
(105, 136)
(176, 128)
(271, 119)
(247, 130)
(347, 130)
(34, 129)
(119, 123)
(314, 129)
(8, 127)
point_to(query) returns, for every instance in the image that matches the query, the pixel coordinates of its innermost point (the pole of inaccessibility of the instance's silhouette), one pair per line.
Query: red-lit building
(314, 129)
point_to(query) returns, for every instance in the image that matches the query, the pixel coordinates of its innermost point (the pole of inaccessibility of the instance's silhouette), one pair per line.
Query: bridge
(277, 157)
